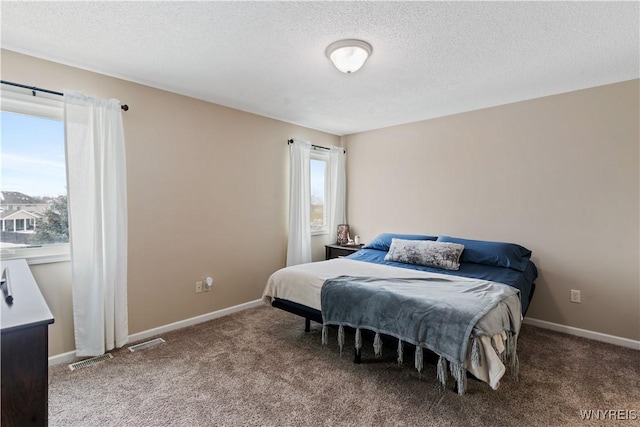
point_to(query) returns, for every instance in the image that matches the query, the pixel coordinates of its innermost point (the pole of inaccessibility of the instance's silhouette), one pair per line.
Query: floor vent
(147, 344)
(88, 362)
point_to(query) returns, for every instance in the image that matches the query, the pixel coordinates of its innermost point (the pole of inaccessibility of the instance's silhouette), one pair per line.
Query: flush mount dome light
(348, 55)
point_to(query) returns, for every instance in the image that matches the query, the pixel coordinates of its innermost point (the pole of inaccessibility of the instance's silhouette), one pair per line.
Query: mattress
(302, 284)
(521, 280)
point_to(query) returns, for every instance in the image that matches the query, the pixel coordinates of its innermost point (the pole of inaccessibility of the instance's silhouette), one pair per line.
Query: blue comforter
(522, 281)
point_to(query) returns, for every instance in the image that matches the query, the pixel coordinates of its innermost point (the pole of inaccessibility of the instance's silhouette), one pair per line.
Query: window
(318, 170)
(33, 206)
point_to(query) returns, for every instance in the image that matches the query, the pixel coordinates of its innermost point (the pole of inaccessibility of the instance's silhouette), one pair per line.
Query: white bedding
(302, 284)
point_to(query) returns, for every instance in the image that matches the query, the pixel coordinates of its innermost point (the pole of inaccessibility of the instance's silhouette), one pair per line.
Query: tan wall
(559, 175)
(207, 192)
(54, 280)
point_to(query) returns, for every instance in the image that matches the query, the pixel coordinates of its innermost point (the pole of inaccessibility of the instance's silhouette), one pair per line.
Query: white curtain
(299, 246)
(96, 180)
(338, 180)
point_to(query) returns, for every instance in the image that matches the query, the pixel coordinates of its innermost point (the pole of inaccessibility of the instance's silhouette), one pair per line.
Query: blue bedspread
(517, 279)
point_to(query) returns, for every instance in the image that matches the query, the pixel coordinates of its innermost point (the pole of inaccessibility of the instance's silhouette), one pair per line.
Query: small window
(318, 170)
(33, 202)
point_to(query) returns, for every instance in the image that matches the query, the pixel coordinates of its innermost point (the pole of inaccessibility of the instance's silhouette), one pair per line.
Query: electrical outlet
(198, 287)
(575, 296)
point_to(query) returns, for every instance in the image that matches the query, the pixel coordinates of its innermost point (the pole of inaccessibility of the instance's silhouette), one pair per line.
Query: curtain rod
(124, 107)
(317, 147)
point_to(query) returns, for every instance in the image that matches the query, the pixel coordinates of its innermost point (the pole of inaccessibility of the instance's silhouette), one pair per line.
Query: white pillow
(426, 252)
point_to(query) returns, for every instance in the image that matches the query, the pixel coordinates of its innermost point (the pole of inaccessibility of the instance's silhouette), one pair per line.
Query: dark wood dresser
(25, 365)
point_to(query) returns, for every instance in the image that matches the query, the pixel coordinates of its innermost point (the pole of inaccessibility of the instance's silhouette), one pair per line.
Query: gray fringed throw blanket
(434, 313)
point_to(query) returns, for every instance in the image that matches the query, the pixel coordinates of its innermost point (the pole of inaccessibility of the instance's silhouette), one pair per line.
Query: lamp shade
(343, 234)
(348, 55)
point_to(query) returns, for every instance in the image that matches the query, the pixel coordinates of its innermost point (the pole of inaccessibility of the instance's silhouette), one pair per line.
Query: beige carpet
(259, 367)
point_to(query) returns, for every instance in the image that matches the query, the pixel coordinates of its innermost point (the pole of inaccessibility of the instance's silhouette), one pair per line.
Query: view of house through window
(318, 172)
(33, 202)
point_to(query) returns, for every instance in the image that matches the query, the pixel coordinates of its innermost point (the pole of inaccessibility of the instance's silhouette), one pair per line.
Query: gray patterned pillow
(426, 252)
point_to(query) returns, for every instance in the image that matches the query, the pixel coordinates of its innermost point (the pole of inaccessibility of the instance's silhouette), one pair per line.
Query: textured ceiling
(429, 59)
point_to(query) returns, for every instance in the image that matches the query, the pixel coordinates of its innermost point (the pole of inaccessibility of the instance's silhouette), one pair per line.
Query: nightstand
(337, 251)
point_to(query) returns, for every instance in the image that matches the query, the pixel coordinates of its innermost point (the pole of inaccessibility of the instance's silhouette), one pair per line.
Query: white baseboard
(69, 356)
(194, 320)
(62, 358)
(597, 336)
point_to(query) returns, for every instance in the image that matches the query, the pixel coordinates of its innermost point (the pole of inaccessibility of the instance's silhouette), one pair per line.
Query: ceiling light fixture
(348, 55)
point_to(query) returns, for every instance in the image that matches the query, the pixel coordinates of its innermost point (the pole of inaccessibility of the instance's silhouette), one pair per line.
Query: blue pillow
(383, 241)
(498, 254)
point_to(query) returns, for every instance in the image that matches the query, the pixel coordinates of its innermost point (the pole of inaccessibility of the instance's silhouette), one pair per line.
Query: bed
(487, 348)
